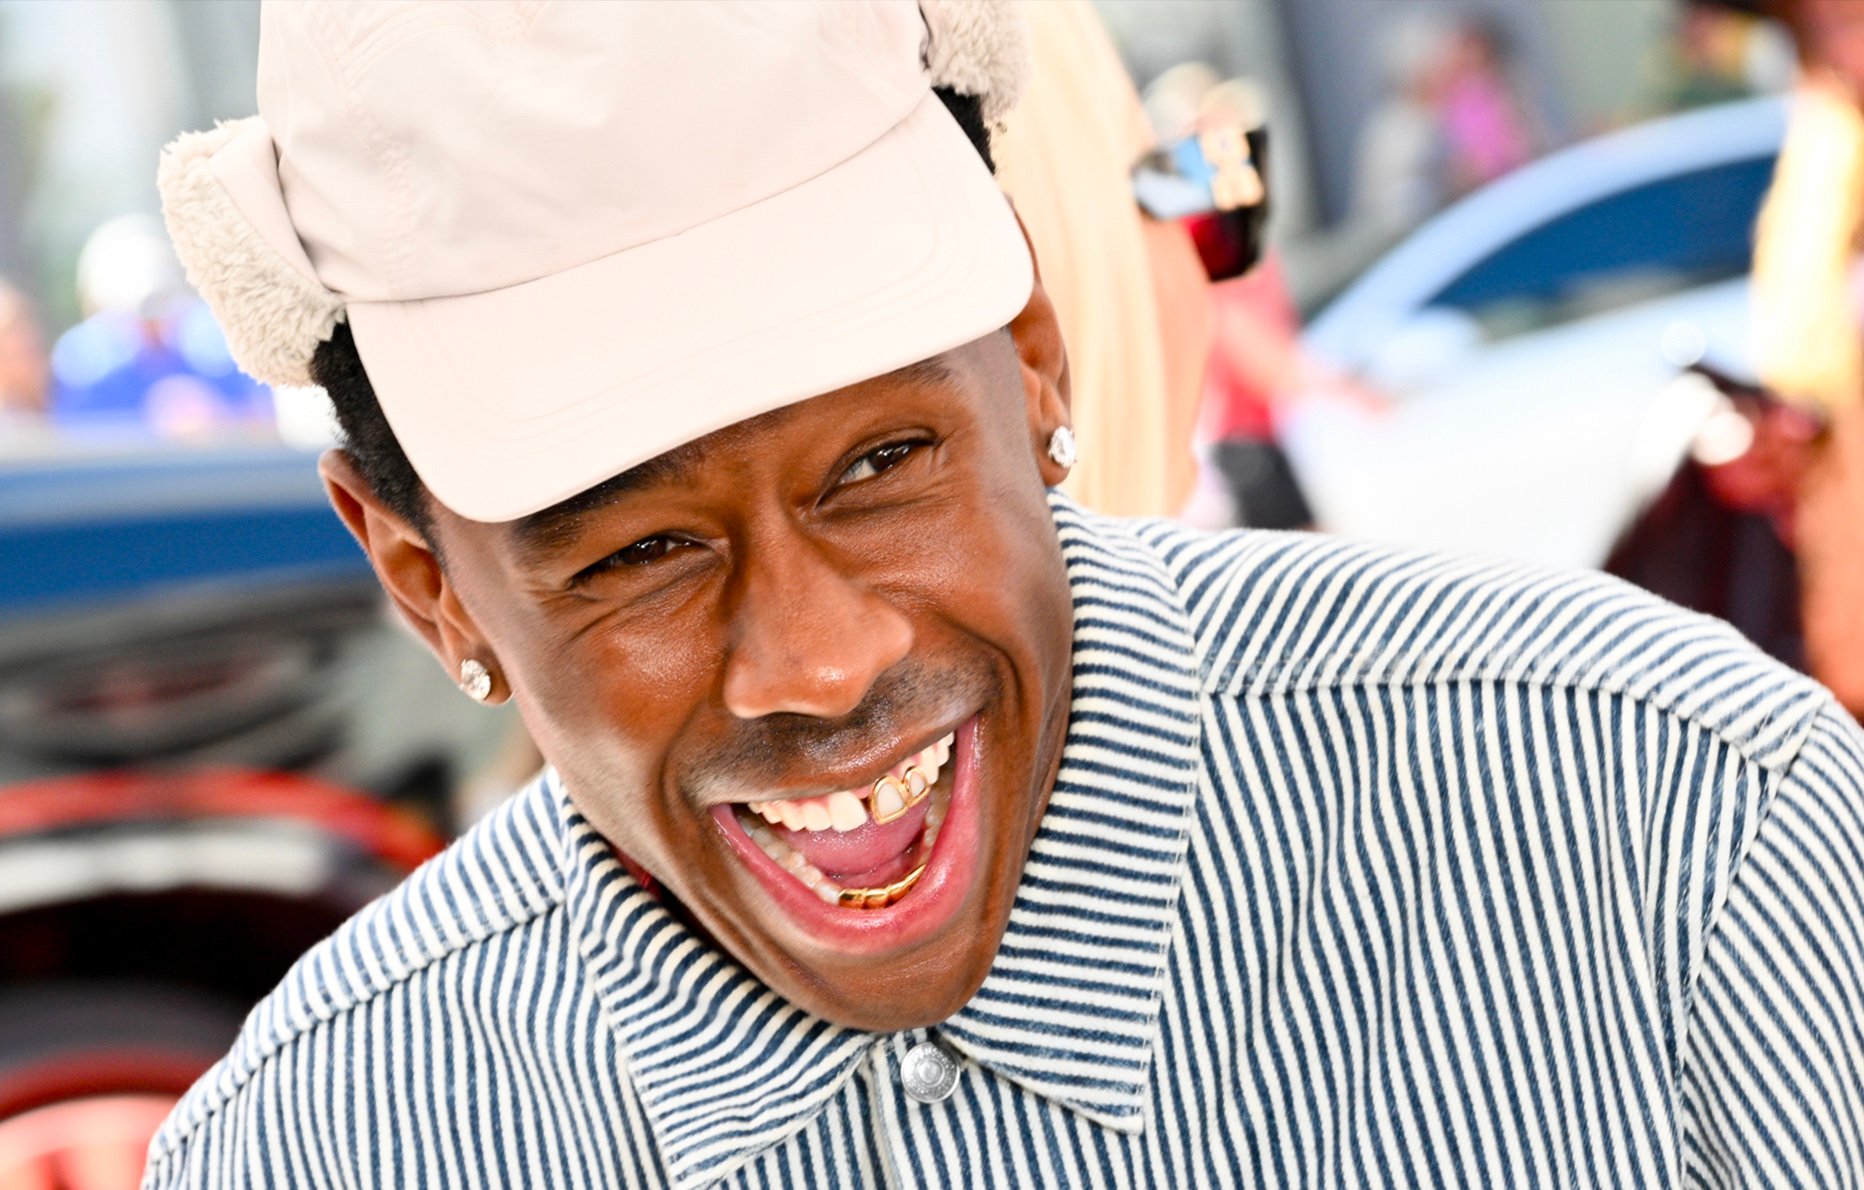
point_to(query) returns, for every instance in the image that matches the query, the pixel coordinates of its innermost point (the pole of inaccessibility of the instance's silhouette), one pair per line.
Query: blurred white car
(1529, 338)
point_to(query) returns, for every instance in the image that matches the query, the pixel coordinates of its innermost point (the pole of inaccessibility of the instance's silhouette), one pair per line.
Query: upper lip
(863, 772)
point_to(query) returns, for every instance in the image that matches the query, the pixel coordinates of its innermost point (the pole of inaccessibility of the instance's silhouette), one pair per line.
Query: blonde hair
(1805, 327)
(1065, 157)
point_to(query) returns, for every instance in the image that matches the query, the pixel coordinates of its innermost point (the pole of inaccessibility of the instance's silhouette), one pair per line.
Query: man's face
(728, 653)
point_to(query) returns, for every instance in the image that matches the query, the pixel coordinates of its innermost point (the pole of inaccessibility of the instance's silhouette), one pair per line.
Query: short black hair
(365, 435)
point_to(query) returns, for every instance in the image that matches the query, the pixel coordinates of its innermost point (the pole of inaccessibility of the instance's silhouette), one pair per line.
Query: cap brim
(513, 400)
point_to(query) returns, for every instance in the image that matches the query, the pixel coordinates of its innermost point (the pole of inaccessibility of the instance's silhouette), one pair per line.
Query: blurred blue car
(1528, 337)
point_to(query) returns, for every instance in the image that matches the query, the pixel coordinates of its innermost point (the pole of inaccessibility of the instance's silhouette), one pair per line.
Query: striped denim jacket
(1363, 868)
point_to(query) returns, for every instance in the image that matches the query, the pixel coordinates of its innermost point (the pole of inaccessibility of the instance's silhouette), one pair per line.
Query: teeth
(792, 861)
(909, 783)
(845, 811)
(889, 800)
(893, 795)
(930, 762)
(878, 898)
(905, 786)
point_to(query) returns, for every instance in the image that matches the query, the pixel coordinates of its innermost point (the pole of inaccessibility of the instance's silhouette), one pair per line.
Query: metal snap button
(928, 1073)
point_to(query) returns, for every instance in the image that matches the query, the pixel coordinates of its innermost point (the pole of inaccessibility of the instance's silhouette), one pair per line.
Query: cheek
(609, 701)
(975, 547)
(995, 569)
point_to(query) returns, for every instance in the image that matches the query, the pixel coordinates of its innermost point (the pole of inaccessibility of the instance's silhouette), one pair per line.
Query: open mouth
(860, 849)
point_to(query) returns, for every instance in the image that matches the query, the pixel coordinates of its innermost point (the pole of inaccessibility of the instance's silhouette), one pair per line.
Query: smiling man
(770, 669)
(904, 824)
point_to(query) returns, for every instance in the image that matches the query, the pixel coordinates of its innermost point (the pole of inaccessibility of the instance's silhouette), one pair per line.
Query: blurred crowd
(146, 357)
(1453, 118)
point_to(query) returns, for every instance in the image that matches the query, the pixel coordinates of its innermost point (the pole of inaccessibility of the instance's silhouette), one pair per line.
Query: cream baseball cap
(570, 235)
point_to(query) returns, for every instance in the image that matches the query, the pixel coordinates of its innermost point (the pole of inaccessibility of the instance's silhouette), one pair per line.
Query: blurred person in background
(1708, 62)
(1256, 365)
(1130, 293)
(1149, 334)
(1488, 130)
(1452, 119)
(148, 353)
(1719, 53)
(1764, 524)
(1400, 175)
(1807, 329)
(1151, 341)
(1256, 362)
(24, 371)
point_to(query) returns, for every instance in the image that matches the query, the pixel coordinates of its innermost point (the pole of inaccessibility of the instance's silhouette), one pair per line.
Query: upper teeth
(847, 809)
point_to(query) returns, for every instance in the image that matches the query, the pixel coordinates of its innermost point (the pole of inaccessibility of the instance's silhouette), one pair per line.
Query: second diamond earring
(1061, 447)
(475, 680)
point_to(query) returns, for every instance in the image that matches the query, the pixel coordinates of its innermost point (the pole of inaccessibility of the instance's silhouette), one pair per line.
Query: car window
(1672, 234)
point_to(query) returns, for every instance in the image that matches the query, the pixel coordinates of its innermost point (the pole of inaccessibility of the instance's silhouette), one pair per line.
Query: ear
(408, 567)
(1044, 360)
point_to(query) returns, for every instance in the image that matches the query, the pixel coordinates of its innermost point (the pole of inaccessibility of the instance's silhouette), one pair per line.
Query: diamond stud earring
(475, 680)
(1061, 447)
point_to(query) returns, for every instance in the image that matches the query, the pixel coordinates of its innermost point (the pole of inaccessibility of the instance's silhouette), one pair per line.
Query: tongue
(869, 851)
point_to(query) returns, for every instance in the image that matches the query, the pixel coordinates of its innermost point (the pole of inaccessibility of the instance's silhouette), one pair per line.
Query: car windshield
(1641, 243)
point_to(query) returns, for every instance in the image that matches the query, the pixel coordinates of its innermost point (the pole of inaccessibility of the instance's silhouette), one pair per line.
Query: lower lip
(930, 905)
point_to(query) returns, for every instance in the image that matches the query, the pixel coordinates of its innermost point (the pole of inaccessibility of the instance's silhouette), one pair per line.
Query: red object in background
(87, 1144)
(1239, 408)
(87, 1075)
(1215, 184)
(1718, 539)
(393, 835)
(1764, 478)
(94, 1055)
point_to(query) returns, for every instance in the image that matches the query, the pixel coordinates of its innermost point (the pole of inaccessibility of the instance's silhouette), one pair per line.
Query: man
(905, 824)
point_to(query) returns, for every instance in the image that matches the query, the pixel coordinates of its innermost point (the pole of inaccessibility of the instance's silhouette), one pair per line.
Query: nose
(808, 636)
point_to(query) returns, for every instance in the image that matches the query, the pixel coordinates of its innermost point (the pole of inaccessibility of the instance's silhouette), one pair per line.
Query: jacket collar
(726, 1068)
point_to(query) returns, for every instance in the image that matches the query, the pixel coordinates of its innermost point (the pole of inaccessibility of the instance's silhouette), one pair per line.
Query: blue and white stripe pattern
(1363, 868)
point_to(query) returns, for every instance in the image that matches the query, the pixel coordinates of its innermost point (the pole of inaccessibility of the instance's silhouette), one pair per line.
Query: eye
(644, 552)
(648, 549)
(875, 462)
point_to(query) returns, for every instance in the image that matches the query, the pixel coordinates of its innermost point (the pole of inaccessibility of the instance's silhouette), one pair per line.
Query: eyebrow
(539, 532)
(933, 372)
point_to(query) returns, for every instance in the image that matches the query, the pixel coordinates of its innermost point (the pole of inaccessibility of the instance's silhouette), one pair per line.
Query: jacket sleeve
(1772, 1081)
